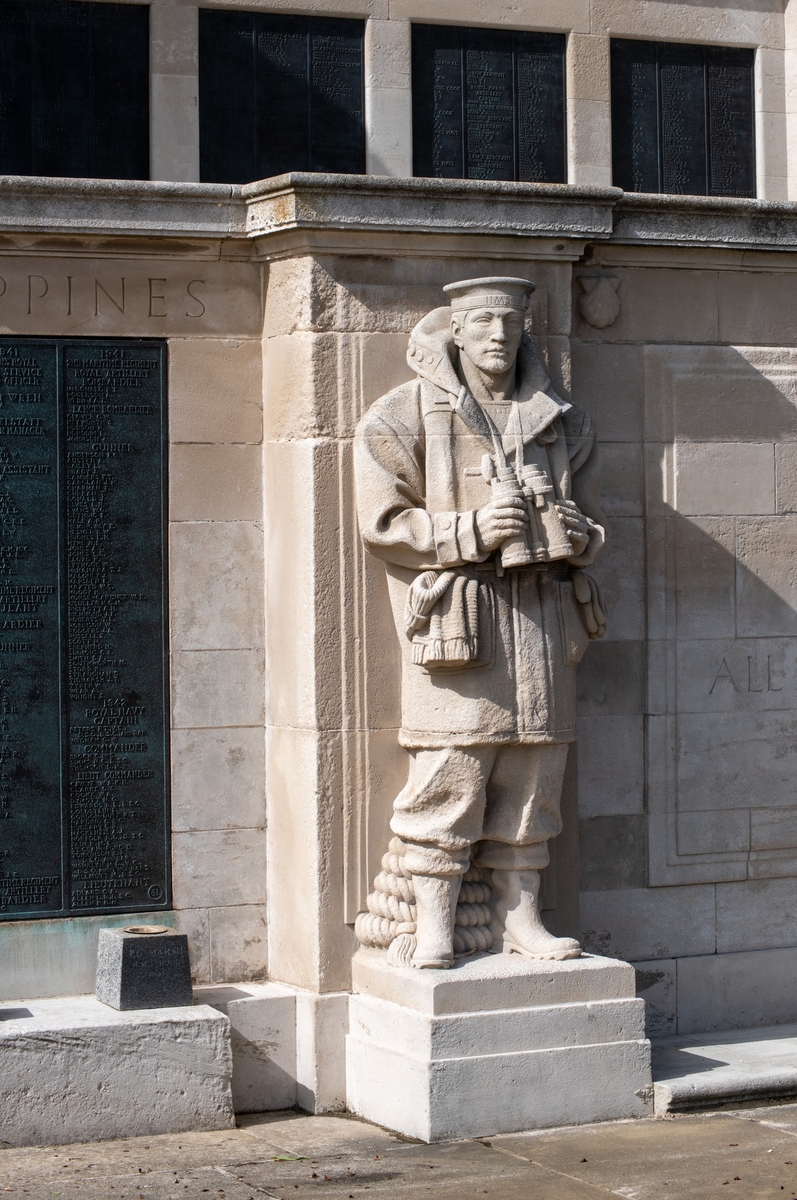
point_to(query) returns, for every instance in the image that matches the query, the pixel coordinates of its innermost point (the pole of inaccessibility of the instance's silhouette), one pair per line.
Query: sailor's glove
(591, 604)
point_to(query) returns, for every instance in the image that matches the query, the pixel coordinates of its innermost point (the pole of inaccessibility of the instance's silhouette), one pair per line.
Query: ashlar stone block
(611, 765)
(622, 486)
(767, 576)
(157, 1071)
(786, 478)
(744, 675)
(704, 577)
(755, 306)
(608, 383)
(622, 575)
(215, 390)
(662, 306)
(715, 394)
(218, 778)
(673, 921)
(217, 688)
(756, 915)
(215, 483)
(217, 868)
(239, 942)
(216, 585)
(263, 1041)
(656, 985)
(724, 991)
(728, 761)
(725, 477)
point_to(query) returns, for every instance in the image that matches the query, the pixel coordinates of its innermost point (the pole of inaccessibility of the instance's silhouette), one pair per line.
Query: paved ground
(749, 1154)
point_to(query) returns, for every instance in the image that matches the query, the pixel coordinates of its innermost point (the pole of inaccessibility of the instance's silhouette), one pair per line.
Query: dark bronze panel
(635, 116)
(83, 650)
(682, 119)
(489, 107)
(279, 93)
(488, 104)
(729, 86)
(31, 859)
(74, 89)
(336, 126)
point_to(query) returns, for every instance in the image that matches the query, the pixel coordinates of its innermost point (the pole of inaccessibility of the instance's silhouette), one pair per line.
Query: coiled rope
(391, 908)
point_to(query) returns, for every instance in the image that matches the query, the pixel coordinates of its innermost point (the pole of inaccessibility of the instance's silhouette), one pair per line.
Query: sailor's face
(490, 337)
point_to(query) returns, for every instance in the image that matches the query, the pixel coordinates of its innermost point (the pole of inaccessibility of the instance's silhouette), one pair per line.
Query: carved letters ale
(83, 685)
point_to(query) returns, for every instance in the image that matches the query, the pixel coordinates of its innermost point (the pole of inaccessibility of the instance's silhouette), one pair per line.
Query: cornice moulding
(366, 204)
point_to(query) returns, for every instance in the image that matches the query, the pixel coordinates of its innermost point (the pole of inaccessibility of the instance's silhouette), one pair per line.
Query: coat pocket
(575, 638)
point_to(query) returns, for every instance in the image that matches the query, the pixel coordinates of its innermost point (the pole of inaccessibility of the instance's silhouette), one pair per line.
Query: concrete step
(703, 1070)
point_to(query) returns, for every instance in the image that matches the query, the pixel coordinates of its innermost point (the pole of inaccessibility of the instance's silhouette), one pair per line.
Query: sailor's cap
(494, 291)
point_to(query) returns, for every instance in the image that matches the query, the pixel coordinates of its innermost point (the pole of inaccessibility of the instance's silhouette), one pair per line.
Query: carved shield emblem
(599, 306)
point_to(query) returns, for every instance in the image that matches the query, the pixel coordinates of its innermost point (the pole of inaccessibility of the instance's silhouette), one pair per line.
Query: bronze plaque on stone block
(84, 778)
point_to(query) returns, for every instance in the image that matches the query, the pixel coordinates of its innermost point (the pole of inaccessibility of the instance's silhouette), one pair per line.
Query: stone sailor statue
(477, 486)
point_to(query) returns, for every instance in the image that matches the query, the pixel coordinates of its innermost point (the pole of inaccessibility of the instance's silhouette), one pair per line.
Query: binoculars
(546, 538)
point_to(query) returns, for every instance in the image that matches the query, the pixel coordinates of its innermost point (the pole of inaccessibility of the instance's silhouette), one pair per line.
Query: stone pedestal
(143, 966)
(496, 1045)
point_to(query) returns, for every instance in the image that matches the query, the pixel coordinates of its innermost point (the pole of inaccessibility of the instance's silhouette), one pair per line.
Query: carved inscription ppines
(83, 703)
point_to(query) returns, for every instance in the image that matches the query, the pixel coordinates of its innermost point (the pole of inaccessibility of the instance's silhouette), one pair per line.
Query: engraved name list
(83, 701)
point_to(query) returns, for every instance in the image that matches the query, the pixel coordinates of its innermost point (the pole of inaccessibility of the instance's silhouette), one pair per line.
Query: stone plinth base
(76, 1070)
(496, 1045)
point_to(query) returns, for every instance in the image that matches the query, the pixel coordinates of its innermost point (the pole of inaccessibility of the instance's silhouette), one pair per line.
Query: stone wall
(688, 840)
(687, 772)
(205, 300)
(589, 24)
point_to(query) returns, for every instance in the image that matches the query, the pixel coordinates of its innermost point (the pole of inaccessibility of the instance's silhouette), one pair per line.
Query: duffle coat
(420, 478)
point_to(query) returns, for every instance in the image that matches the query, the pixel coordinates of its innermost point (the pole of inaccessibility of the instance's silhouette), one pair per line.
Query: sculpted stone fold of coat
(420, 473)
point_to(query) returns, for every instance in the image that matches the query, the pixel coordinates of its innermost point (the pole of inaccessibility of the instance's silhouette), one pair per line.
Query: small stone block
(143, 970)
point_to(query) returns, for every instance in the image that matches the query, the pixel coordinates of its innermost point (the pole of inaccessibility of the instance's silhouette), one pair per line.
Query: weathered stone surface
(656, 985)
(724, 991)
(495, 1048)
(158, 1072)
(726, 477)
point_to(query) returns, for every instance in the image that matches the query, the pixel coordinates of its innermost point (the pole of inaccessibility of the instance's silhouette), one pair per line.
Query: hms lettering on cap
(490, 292)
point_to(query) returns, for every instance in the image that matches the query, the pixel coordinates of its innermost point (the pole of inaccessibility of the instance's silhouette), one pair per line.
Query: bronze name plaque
(84, 779)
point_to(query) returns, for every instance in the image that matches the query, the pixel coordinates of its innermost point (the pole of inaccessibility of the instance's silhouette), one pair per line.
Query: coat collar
(431, 355)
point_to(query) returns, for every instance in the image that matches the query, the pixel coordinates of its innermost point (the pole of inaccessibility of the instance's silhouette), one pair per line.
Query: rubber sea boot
(517, 926)
(436, 903)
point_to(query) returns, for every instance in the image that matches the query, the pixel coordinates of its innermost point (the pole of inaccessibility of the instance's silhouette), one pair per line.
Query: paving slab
(689, 1157)
(748, 1152)
(702, 1070)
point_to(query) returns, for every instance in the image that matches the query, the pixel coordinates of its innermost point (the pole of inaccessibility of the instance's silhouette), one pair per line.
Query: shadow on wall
(688, 721)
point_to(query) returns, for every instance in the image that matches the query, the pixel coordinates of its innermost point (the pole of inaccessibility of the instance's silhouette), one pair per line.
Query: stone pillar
(771, 121)
(789, 60)
(589, 115)
(388, 98)
(174, 108)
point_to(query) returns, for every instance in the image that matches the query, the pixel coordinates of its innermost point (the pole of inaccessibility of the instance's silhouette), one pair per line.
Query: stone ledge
(38, 204)
(303, 202)
(368, 202)
(705, 221)
(75, 1070)
(707, 1070)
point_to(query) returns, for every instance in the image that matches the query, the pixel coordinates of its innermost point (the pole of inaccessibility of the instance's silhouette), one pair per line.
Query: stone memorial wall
(283, 311)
